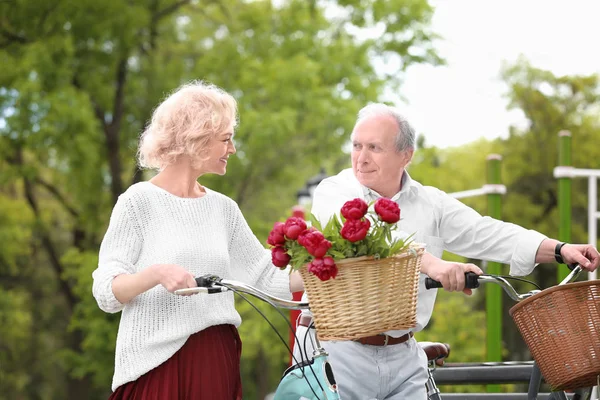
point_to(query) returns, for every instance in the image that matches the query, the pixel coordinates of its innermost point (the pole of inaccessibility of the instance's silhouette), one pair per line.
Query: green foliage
(16, 224)
(98, 328)
(550, 104)
(15, 325)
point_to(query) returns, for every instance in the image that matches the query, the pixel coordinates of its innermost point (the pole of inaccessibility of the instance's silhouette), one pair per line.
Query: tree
(550, 104)
(80, 81)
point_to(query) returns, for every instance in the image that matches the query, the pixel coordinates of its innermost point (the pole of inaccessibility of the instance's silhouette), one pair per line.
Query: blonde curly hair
(184, 123)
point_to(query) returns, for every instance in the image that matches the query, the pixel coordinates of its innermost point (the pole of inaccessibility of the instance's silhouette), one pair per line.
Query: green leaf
(315, 223)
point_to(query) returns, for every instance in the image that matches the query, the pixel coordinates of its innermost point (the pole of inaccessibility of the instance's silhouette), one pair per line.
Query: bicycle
(311, 378)
(314, 378)
(473, 281)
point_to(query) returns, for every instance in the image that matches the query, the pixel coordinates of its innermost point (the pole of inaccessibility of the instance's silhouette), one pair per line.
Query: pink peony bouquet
(354, 232)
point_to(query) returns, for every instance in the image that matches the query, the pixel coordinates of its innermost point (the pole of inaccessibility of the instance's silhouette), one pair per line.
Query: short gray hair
(405, 138)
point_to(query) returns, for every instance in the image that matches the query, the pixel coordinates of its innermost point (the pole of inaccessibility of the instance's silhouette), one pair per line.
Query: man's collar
(407, 186)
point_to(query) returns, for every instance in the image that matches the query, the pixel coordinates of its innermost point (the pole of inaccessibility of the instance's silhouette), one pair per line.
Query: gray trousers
(366, 372)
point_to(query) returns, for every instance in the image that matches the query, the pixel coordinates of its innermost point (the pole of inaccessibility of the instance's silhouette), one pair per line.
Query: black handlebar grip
(432, 284)
(471, 281)
(572, 266)
(207, 280)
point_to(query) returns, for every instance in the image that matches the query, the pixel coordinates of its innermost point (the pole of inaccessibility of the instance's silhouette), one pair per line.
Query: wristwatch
(557, 255)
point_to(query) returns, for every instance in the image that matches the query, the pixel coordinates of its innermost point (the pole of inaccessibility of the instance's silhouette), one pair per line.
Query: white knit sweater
(206, 235)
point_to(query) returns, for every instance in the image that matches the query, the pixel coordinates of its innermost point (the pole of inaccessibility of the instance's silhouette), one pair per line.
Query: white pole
(468, 193)
(592, 216)
(485, 189)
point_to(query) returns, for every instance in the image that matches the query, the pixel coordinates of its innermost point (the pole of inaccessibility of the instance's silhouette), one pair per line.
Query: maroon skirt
(207, 367)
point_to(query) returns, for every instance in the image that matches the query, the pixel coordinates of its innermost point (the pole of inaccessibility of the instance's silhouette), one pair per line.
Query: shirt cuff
(523, 259)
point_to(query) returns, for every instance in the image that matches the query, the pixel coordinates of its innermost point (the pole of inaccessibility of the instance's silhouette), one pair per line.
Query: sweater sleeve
(119, 251)
(247, 253)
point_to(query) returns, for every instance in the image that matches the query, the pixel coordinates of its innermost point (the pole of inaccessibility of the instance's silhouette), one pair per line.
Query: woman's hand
(173, 277)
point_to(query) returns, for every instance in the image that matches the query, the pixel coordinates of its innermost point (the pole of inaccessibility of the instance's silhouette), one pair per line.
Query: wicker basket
(367, 297)
(561, 327)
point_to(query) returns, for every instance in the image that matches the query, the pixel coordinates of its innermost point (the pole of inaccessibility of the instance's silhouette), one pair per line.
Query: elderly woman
(163, 233)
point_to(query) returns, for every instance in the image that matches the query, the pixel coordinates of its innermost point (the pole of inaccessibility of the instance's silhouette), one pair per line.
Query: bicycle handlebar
(472, 281)
(214, 284)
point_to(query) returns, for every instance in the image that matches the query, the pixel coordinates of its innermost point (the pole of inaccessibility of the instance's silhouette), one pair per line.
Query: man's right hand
(450, 274)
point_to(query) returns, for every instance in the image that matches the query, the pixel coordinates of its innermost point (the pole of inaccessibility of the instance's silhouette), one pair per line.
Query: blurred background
(79, 80)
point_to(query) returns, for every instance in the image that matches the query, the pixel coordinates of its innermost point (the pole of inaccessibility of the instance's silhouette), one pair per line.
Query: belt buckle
(387, 338)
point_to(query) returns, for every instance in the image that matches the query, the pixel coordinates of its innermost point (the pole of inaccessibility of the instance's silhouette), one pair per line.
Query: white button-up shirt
(441, 223)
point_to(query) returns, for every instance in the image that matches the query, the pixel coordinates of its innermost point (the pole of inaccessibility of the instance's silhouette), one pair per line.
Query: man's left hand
(585, 255)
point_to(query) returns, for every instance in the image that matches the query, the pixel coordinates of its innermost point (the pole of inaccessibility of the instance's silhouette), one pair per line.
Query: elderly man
(382, 146)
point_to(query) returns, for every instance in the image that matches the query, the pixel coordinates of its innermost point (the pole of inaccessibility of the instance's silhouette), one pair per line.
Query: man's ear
(408, 155)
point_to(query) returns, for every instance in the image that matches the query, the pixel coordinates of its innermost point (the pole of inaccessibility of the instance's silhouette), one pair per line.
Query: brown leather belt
(375, 340)
(384, 340)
